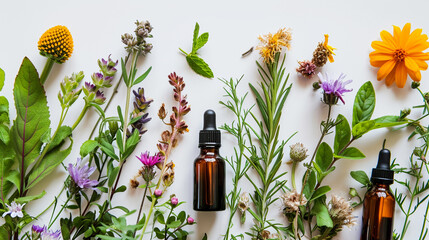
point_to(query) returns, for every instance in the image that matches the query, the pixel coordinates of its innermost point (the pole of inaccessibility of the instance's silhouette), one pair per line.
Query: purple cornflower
(149, 161)
(80, 175)
(15, 210)
(333, 89)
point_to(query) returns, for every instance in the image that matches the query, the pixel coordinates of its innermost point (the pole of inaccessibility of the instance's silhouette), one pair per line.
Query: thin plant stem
(82, 114)
(50, 205)
(59, 213)
(424, 222)
(294, 165)
(142, 203)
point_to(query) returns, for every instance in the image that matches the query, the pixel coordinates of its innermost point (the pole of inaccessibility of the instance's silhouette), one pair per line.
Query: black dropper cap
(382, 173)
(209, 136)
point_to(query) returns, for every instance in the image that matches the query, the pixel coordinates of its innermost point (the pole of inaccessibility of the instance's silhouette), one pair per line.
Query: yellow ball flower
(56, 43)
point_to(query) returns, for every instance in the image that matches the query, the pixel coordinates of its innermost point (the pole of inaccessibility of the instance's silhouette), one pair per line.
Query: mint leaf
(364, 103)
(199, 66)
(361, 177)
(201, 41)
(32, 115)
(194, 40)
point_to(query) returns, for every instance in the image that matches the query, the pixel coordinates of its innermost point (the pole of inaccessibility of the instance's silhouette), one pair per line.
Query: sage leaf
(199, 66)
(342, 134)
(324, 156)
(32, 111)
(364, 103)
(361, 177)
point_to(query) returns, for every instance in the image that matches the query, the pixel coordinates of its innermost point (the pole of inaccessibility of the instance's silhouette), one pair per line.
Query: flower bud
(404, 113)
(298, 152)
(353, 193)
(415, 85)
(316, 85)
(174, 201)
(190, 220)
(157, 193)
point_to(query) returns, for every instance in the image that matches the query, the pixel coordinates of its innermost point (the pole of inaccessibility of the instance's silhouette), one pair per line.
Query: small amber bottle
(379, 202)
(209, 169)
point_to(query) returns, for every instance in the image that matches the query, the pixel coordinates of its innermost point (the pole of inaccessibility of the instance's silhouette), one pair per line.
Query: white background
(96, 27)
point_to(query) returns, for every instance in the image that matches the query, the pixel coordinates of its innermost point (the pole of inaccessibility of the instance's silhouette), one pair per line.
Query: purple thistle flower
(80, 175)
(333, 87)
(50, 235)
(37, 228)
(147, 160)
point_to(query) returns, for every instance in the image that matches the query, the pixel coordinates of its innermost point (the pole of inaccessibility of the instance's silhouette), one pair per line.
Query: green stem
(53, 202)
(61, 210)
(148, 216)
(141, 205)
(424, 222)
(125, 127)
(294, 164)
(46, 70)
(82, 114)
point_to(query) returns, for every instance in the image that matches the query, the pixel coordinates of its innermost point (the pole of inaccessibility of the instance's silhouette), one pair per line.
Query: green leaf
(386, 121)
(201, 41)
(194, 39)
(112, 176)
(160, 219)
(324, 156)
(122, 188)
(1, 79)
(342, 133)
(30, 198)
(6, 164)
(131, 144)
(311, 183)
(142, 77)
(322, 215)
(124, 72)
(199, 66)
(320, 192)
(15, 178)
(51, 160)
(108, 149)
(174, 224)
(361, 177)
(4, 134)
(364, 103)
(351, 153)
(205, 237)
(62, 133)
(88, 147)
(4, 110)
(32, 111)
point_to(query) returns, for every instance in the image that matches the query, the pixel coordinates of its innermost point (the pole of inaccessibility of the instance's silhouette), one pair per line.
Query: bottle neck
(209, 149)
(381, 186)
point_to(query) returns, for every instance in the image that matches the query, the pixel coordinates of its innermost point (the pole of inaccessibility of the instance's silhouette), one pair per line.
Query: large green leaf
(1, 79)
(51, 160)
(5, 169)
(199, 66)
(324, 156)
(32, 111)
(386, 121)
(342, 134)
(364, 103)
(361, 177)
(62, 133)
(351, 153)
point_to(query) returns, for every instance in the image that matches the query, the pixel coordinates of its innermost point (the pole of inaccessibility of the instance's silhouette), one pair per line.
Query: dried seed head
(320, 55)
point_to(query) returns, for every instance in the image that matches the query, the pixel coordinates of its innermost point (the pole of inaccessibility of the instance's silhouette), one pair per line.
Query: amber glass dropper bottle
(209, 169)
(379, 202)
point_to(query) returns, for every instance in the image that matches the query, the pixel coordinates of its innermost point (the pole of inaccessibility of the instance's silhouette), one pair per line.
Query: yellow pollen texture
(57, 43)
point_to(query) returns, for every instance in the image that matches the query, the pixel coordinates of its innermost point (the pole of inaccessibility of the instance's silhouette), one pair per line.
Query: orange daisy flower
(400, 55)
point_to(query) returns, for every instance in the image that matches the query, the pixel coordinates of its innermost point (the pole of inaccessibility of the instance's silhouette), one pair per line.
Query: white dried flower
(341, 211)
(298, 152)
(291, 201)
(243, 202)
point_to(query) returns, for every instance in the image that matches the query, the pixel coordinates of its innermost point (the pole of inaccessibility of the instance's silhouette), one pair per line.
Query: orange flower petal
(400, 75)
(416, 76)
(416, 34)
(419, 47)
(390, 78)
(422, 64)
(397, 36)
(385, 69)
(382, 47)
(405, 34)
(377, 59)
(419, 55)
(388, 38)
(411, 64)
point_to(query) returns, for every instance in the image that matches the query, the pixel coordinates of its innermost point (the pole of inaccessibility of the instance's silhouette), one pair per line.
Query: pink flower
(157, 192)
(190, 220)
(174, 201)
(149, 161)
